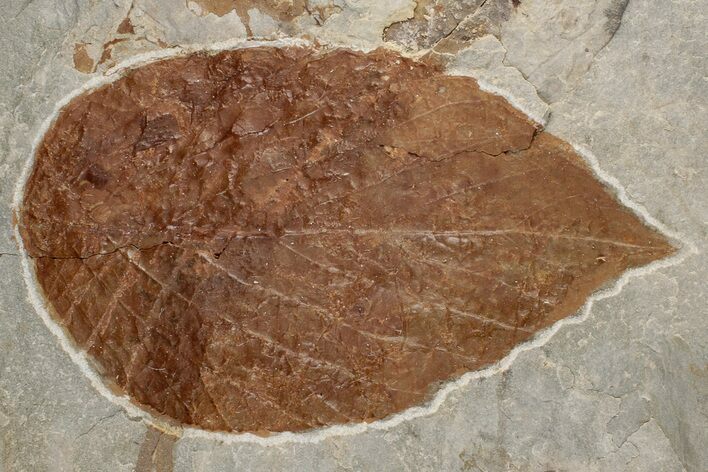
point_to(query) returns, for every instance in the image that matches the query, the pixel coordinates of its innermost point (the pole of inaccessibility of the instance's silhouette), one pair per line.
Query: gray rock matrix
(623, 389)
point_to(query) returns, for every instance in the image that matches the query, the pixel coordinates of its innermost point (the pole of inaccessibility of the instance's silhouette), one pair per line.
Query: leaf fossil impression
(276, 239)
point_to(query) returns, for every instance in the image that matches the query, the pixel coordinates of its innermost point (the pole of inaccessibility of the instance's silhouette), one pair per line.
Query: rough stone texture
(488, 19)
(279, 239)
(622, 390)
(554, 42)
(551, 42)
(484, 60)
(432, 21)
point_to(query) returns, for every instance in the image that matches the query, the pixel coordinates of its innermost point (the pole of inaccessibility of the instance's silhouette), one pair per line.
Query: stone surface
(553, 57)
(433, 21)
(279, 239)
(623, 388)
(484, 61)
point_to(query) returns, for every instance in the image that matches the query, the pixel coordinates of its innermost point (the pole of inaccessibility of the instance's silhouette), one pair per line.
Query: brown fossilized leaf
(279, 239)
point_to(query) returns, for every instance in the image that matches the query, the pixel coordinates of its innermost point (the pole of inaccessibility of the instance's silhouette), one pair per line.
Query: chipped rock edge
(314, 436)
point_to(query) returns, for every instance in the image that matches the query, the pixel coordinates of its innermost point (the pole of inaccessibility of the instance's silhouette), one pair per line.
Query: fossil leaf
(279, 239)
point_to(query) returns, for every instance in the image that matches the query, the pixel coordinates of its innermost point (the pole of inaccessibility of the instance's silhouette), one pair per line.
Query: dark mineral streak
(279, 239)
